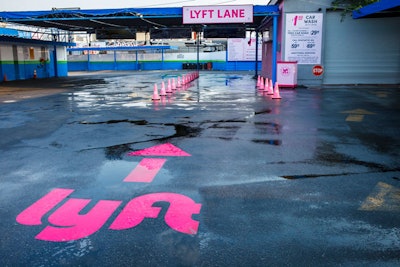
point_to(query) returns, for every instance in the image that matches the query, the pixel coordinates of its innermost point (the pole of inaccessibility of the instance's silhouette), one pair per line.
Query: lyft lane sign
(217, 14)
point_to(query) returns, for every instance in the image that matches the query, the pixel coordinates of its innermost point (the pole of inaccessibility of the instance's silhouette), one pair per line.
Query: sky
(29, 5)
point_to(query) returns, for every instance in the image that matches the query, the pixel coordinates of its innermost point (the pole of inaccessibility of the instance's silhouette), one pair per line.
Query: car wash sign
(303, 38)
(217, 14)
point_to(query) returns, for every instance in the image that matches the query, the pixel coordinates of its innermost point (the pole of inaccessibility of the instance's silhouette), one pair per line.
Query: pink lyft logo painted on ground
(68, 223)
(34, 213)
(145, 171)
(178, 215)
(167, 149)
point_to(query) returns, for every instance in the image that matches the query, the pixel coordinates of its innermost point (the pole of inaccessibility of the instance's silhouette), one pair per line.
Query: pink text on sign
(217, 14)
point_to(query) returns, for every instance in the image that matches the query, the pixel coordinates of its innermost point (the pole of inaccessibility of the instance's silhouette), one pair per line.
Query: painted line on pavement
(384, 197)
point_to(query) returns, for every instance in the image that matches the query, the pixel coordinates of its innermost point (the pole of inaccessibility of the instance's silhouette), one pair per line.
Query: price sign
(303, 40)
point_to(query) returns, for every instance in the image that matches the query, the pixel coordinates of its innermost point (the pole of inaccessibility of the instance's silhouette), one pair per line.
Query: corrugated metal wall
(362, 51)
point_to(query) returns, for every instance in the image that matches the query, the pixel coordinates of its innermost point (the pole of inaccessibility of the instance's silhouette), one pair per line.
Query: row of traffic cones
(267, 86)
(174, 84)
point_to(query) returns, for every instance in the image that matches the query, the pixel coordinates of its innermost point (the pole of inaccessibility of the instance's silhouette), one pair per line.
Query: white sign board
(217, 14)
(303, 38)
(243, 49)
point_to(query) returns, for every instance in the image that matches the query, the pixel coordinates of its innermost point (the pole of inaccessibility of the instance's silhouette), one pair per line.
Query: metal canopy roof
(14, 39)
(136, 18)
(380, 9)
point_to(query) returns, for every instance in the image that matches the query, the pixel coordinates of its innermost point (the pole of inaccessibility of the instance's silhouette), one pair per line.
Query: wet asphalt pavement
(312, 179)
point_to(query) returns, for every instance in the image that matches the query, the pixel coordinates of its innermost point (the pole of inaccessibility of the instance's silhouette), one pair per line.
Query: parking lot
(217, 173)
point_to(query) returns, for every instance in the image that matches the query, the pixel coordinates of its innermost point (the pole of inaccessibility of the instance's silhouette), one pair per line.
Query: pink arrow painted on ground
(145, 171)
(149, 167)
(167, 149)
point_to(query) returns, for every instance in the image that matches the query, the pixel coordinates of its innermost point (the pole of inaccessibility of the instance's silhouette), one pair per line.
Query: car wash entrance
(239, 25)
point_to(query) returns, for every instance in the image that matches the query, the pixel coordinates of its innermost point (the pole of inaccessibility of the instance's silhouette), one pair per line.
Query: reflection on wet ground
(216, 93)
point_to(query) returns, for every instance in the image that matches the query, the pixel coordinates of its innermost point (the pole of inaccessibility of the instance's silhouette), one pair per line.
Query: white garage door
(363, 51)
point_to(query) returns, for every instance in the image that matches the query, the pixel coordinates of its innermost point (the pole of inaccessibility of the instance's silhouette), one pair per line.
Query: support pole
(115, 59)
(274, 47)
(198, 50)
(55, 61)
(137, 60)
(162, 58)
(88, 60)
(256, 60)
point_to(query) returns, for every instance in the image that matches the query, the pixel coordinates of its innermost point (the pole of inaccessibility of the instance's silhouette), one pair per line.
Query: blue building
(23, 57)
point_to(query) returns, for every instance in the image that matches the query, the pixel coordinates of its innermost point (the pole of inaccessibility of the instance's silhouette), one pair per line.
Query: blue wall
(25, 71)
(96, 66)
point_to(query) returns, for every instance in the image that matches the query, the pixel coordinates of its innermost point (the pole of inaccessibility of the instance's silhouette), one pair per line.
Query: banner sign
(303, 38)
(217, 14)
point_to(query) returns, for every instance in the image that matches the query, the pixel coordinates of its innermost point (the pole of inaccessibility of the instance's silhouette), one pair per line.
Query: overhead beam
(374, 8)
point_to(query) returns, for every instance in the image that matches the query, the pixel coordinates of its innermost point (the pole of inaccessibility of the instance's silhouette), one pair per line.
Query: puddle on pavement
(137, 122)
(306, 176)
(267, 111)
(112, 173)
(275, 142)
(117, 151)
(379, 143)
(217, 126)
(225, 121)
(268, 127)
(184, 130)
(326, 153)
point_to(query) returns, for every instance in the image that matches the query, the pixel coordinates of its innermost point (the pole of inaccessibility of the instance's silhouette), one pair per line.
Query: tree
(348, 6)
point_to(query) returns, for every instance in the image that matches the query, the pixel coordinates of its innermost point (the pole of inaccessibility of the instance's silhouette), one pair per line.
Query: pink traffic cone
(179, 84)
(276, 92)
(173, 84)
(163, 100)
(266, 86)
(270, 88)
(261, 87)
(162, 91)
(169, 89)
(258, 81)
(156, 96)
